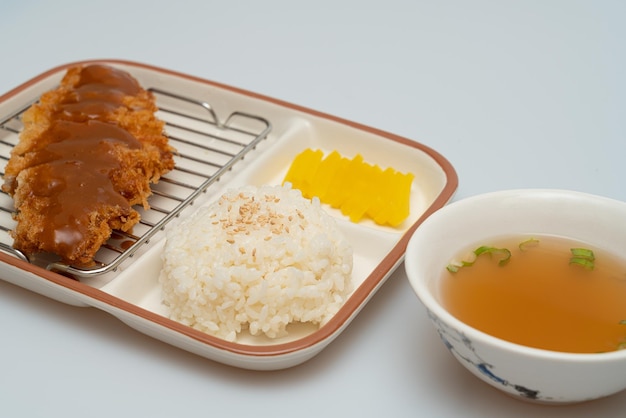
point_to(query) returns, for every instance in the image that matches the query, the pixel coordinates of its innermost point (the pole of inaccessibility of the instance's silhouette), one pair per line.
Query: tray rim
(348, 311)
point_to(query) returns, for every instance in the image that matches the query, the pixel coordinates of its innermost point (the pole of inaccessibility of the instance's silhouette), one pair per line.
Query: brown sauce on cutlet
(87, 110)
(74, 175)
(74, 168)
(108, 78)
(88, 151)
(100, 90)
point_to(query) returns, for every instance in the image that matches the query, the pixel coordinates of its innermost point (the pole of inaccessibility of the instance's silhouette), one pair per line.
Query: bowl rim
(426, 297)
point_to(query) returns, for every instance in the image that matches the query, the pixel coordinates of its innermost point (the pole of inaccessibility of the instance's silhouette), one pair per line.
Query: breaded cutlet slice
(135, 114)
(87, 153)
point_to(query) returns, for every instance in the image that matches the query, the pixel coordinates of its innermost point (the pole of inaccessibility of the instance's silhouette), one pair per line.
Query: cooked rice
(257, 259)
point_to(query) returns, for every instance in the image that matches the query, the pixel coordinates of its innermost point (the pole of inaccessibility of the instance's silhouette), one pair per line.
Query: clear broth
(538, 299)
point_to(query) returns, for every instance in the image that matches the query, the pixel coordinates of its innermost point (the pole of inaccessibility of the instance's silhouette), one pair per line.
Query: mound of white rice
(257, 259)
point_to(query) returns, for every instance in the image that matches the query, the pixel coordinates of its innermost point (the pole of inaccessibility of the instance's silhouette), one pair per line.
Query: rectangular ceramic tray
(277, 132)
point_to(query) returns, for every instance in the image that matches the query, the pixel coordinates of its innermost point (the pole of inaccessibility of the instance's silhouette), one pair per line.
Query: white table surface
(514, 93)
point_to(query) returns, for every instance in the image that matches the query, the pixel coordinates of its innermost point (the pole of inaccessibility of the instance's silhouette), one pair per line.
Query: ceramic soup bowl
(527, 373)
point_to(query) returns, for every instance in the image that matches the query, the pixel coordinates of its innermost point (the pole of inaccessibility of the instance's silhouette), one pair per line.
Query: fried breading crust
(97, 132)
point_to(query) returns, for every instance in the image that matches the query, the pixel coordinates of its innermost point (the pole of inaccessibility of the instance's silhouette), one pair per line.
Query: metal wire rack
(207, 147)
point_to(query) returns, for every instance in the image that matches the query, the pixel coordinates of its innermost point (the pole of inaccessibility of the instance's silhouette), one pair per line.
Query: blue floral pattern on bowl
(463, 348)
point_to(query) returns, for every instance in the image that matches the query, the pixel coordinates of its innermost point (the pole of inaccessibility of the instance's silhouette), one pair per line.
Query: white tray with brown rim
(246, 139)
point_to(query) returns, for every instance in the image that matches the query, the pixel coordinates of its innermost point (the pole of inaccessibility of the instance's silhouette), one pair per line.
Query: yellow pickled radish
(359, 197)
(379, 210)
(340, 180)
(350, 181)
(326, 173)
(400, 207)
(310, 178)
(358, 189)
(303, 170)
(297, 168)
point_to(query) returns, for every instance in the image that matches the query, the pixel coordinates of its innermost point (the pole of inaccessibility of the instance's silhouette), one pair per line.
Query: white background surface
(514, 93)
